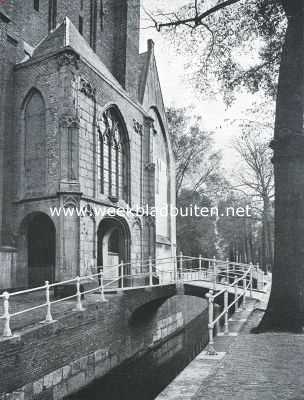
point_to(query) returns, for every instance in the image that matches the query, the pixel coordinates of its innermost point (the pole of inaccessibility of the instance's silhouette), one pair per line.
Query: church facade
(85, 155)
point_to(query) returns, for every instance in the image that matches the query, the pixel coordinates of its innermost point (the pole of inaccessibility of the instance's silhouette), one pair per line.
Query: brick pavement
(258, 367)
(254, 367)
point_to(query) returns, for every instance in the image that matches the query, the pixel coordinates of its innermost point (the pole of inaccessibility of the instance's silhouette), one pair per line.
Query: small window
(93, 24)
(80, 25)
(102, 14)
(36, 5)
(52, 14)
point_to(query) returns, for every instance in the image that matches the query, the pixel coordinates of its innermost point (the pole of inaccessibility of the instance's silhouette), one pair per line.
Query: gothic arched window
(160, 156)
(113, 157)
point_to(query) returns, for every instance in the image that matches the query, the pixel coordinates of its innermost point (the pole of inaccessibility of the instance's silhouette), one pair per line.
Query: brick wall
(9, 51)
(48, 362)
(117, 34)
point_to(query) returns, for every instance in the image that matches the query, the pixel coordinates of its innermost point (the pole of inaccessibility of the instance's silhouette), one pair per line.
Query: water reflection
(145, 378)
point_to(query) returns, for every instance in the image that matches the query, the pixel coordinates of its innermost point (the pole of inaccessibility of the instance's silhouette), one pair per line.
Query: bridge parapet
(165, 276)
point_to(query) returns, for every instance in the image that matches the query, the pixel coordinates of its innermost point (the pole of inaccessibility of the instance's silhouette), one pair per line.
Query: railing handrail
(239, 292)
(178, 271)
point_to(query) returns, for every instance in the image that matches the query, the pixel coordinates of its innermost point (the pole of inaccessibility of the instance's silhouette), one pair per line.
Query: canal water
(145, 377)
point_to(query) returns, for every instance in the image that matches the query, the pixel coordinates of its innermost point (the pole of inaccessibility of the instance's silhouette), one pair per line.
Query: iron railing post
(236, 305)
(175, 277)
(181, 266)
(200, 266)
(122, 274)
(226, 305)
(251, 280)
(244, 292)
(214, 273)
(227, 270)
(101, 287)
(211, 351)
(6, 330)
(48, 317)
(79, 306)
(150, 272)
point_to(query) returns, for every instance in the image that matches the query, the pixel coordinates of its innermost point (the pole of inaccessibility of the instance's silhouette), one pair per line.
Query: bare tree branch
(196, 20)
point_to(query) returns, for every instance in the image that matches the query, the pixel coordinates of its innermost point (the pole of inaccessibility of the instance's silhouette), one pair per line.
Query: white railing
(154, 272)
(246, 283)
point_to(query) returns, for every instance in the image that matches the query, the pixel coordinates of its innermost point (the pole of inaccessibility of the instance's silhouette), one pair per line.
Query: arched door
(113, 247)
(41, 246)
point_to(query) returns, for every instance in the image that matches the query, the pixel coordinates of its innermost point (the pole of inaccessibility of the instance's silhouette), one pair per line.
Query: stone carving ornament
(87, 88)
(138, 127)
(69, 121)
(67, 58)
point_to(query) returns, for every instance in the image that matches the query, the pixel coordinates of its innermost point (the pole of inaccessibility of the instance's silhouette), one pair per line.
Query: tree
(239, 236)
(286, 306)
(195, 234)
(220, 33)
(255, 175)
(198, 177)
(197, 163)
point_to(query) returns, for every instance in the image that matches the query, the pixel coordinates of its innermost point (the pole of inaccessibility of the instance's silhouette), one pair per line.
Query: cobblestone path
(258, 367)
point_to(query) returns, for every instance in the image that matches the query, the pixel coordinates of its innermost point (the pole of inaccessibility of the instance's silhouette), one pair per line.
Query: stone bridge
(53, 347)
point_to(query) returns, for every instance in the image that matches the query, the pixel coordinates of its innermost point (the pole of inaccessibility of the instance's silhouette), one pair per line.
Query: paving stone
(258, 367)
(206, 368)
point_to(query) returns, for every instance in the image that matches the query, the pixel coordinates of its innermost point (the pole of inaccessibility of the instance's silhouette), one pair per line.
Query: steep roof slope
(150, 93)
(66, 35)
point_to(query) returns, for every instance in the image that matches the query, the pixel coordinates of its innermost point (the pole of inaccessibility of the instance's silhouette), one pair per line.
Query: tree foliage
(195, 235)
(255, 174)
(255, 177)
(285, 307)
(239, 237)
(238, 44)
(197, 162)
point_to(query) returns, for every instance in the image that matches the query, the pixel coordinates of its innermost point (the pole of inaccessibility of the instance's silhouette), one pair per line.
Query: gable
(67, 35)
(150, 93)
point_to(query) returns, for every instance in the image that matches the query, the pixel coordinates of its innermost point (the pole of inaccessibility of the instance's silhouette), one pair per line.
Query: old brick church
(82, 124)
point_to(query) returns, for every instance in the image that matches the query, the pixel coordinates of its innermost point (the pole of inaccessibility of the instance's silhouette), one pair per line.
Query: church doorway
(41, 251)
(113, 237)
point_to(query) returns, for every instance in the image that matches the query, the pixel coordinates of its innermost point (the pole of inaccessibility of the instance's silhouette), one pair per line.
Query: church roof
(143, 67)
(66, 35)
(150, 93)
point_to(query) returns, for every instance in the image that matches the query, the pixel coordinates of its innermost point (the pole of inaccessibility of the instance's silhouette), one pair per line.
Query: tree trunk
(267, 233)
(286, 306)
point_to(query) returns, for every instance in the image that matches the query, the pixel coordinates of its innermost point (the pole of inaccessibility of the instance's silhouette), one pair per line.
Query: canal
(145, 377)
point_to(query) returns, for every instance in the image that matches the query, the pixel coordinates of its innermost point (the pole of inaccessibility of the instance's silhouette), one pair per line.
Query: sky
(177, 91)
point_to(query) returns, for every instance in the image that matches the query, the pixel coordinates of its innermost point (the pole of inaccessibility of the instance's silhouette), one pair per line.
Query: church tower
(110, 27)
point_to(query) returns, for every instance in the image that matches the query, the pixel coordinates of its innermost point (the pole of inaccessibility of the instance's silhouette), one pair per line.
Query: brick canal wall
(52, 361)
